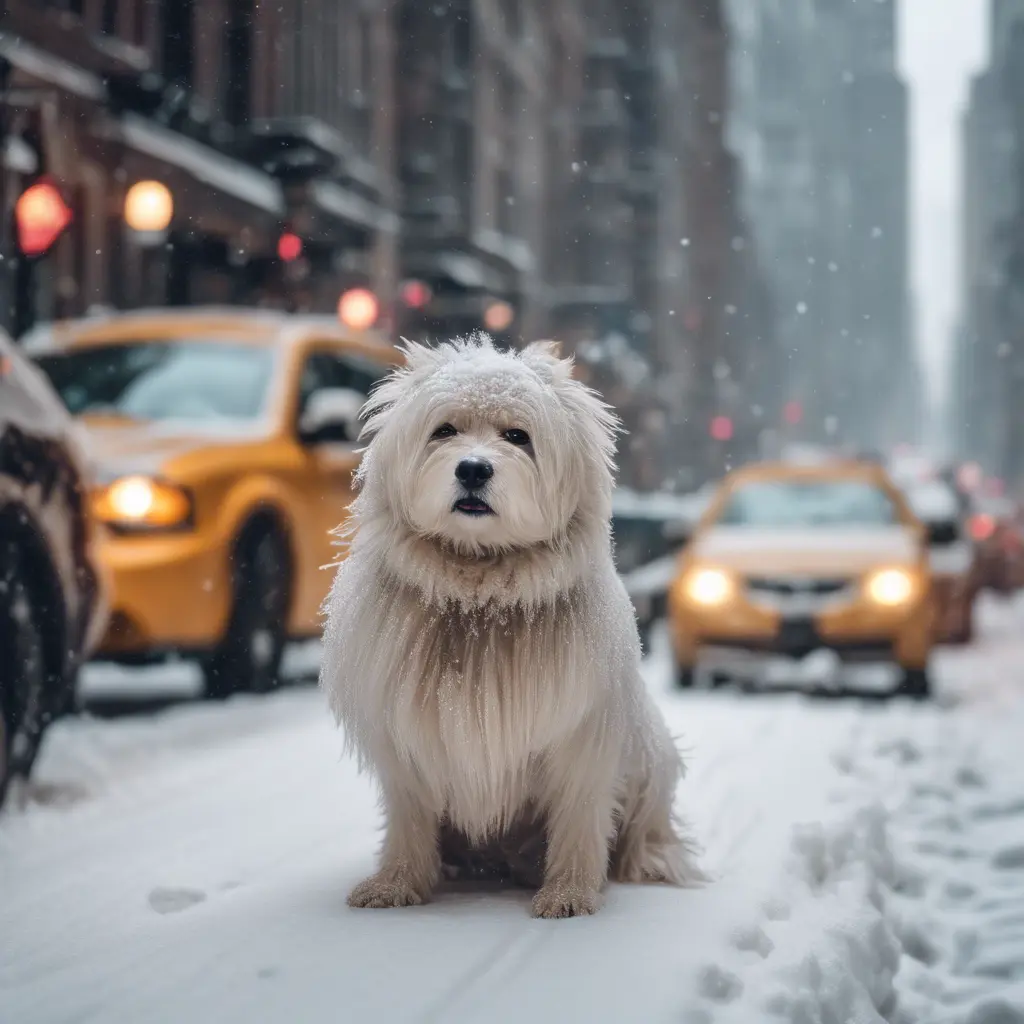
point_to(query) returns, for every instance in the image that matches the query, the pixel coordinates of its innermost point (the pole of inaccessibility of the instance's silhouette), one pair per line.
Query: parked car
(791, 561)
(52, 598)
(226, 443)
(998, 533)
(648, 531)
(955, 563)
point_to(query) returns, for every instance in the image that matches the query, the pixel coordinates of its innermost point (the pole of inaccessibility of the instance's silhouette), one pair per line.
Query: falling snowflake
(801, 308)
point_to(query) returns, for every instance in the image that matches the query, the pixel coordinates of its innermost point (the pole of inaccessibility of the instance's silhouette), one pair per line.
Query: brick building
(253, 135)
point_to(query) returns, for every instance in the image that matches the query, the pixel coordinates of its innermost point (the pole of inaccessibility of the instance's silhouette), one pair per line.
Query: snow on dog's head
(486, 450)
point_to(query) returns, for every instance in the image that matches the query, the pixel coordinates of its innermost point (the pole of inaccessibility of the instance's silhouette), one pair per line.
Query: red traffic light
(289, 247)
(792, 413)
(416, 294)
(721, 428)
(41, 215)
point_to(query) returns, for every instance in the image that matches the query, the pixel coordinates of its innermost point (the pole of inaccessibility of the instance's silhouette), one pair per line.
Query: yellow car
(224, 446)
(806, 571)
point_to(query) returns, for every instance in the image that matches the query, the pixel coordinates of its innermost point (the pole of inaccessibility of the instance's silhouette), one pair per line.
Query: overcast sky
(942, 42)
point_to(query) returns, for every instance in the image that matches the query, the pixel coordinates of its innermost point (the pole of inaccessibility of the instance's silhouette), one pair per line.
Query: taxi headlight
(709, 587)
(142, 503)
(890, 587)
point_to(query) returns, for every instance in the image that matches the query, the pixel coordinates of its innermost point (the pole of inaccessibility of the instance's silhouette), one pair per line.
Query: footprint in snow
(1010, 858)
(171, 901)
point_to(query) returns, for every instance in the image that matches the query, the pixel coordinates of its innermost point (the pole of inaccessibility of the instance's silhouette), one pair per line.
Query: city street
(868, 860)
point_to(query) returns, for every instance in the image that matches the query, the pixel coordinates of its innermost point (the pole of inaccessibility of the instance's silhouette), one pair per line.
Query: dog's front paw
(387, 891)
(566, 897)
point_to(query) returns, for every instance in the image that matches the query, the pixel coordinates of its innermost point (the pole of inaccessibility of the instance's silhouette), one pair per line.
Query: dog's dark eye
(517, 437)
(443, 431)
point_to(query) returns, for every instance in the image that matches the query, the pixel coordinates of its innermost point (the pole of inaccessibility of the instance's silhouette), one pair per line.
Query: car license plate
(798, 634)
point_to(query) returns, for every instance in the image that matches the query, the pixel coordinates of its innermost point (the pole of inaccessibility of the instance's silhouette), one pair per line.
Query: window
(238, 49)
(165, 379)
(799, 504)
(329, 370)
(178, 41)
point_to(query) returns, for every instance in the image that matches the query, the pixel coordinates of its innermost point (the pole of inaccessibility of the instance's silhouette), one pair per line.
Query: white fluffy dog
(481, 651)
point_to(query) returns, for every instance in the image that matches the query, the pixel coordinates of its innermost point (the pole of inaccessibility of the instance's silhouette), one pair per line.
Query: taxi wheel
(248, 658)
(23, 690)
(685, 677)
(916, 683)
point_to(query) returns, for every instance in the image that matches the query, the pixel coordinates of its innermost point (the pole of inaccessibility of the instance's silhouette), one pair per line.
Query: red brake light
(982, 527)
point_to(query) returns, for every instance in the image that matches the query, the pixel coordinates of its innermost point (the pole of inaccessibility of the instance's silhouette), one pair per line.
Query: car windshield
(789, 504)
(163, 379)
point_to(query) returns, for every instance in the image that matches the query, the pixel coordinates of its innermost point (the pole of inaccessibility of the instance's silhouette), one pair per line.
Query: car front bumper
(168, 592)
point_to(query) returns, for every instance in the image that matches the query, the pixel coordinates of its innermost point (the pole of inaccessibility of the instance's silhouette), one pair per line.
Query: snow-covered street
(192, 866)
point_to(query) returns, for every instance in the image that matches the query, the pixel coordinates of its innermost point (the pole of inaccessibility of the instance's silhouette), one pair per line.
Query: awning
(44, 66)
(206, 165)
(350, 206)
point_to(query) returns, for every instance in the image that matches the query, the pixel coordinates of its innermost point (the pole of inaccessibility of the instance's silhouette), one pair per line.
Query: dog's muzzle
(473, 473)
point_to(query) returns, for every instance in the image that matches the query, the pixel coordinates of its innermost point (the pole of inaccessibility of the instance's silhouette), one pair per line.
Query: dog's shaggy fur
(485, 667)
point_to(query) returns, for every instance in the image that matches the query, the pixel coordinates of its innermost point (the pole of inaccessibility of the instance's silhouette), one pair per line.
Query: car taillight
(982, 527)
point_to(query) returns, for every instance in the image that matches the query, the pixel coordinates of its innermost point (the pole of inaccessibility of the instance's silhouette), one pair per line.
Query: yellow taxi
(224, 443)
(806, 573)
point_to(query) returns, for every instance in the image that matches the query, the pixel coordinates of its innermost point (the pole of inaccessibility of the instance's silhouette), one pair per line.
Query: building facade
(988, 378)
(531, 168)
(253, 136)
(819, 124)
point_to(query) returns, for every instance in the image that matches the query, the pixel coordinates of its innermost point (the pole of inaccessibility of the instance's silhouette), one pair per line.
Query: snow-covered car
(816, 573)
(955, 564)
(52, 598)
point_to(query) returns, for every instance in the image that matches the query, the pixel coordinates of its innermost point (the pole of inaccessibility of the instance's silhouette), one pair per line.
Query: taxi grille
(789, 587)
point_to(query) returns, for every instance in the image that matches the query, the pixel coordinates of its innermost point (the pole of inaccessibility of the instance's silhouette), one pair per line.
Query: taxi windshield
(163, 379)
(786, 504)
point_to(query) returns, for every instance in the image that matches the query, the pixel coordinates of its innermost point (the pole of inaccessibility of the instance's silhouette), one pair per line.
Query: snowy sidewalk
(869, 864)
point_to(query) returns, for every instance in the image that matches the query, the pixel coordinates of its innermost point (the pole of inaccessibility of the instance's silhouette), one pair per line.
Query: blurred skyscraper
(819, 121)
(987, 408)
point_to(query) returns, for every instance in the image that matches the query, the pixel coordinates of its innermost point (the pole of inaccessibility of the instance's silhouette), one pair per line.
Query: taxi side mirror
(942, 534)
(331, 415)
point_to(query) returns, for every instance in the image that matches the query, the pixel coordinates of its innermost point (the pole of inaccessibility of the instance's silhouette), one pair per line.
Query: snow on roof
(933, 500)
(203, 163)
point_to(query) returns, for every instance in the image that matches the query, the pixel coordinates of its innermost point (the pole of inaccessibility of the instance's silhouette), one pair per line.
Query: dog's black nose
(473, 473)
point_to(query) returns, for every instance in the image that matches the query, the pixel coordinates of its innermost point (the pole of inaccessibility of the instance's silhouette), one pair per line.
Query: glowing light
(148, 207)
(498, 316)
(890, 587)
(41, 216)
(416, 294)
(289, 247)
(709, 587)
(721, 428)
(358, 308)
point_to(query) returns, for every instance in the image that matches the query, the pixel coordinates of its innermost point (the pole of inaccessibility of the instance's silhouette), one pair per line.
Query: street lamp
(358, 308)
(148, 209)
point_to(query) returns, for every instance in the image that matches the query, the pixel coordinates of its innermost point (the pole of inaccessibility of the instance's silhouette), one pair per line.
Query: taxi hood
(120, 447)
(824, 550)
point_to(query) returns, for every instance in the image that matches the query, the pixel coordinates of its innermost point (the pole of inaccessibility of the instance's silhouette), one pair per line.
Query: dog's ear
(544, 349)
(417, 355)
(548, 354)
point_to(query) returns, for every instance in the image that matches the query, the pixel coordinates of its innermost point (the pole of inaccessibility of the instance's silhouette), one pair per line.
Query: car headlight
(142, 503)
(890, 587)
(709, 587)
